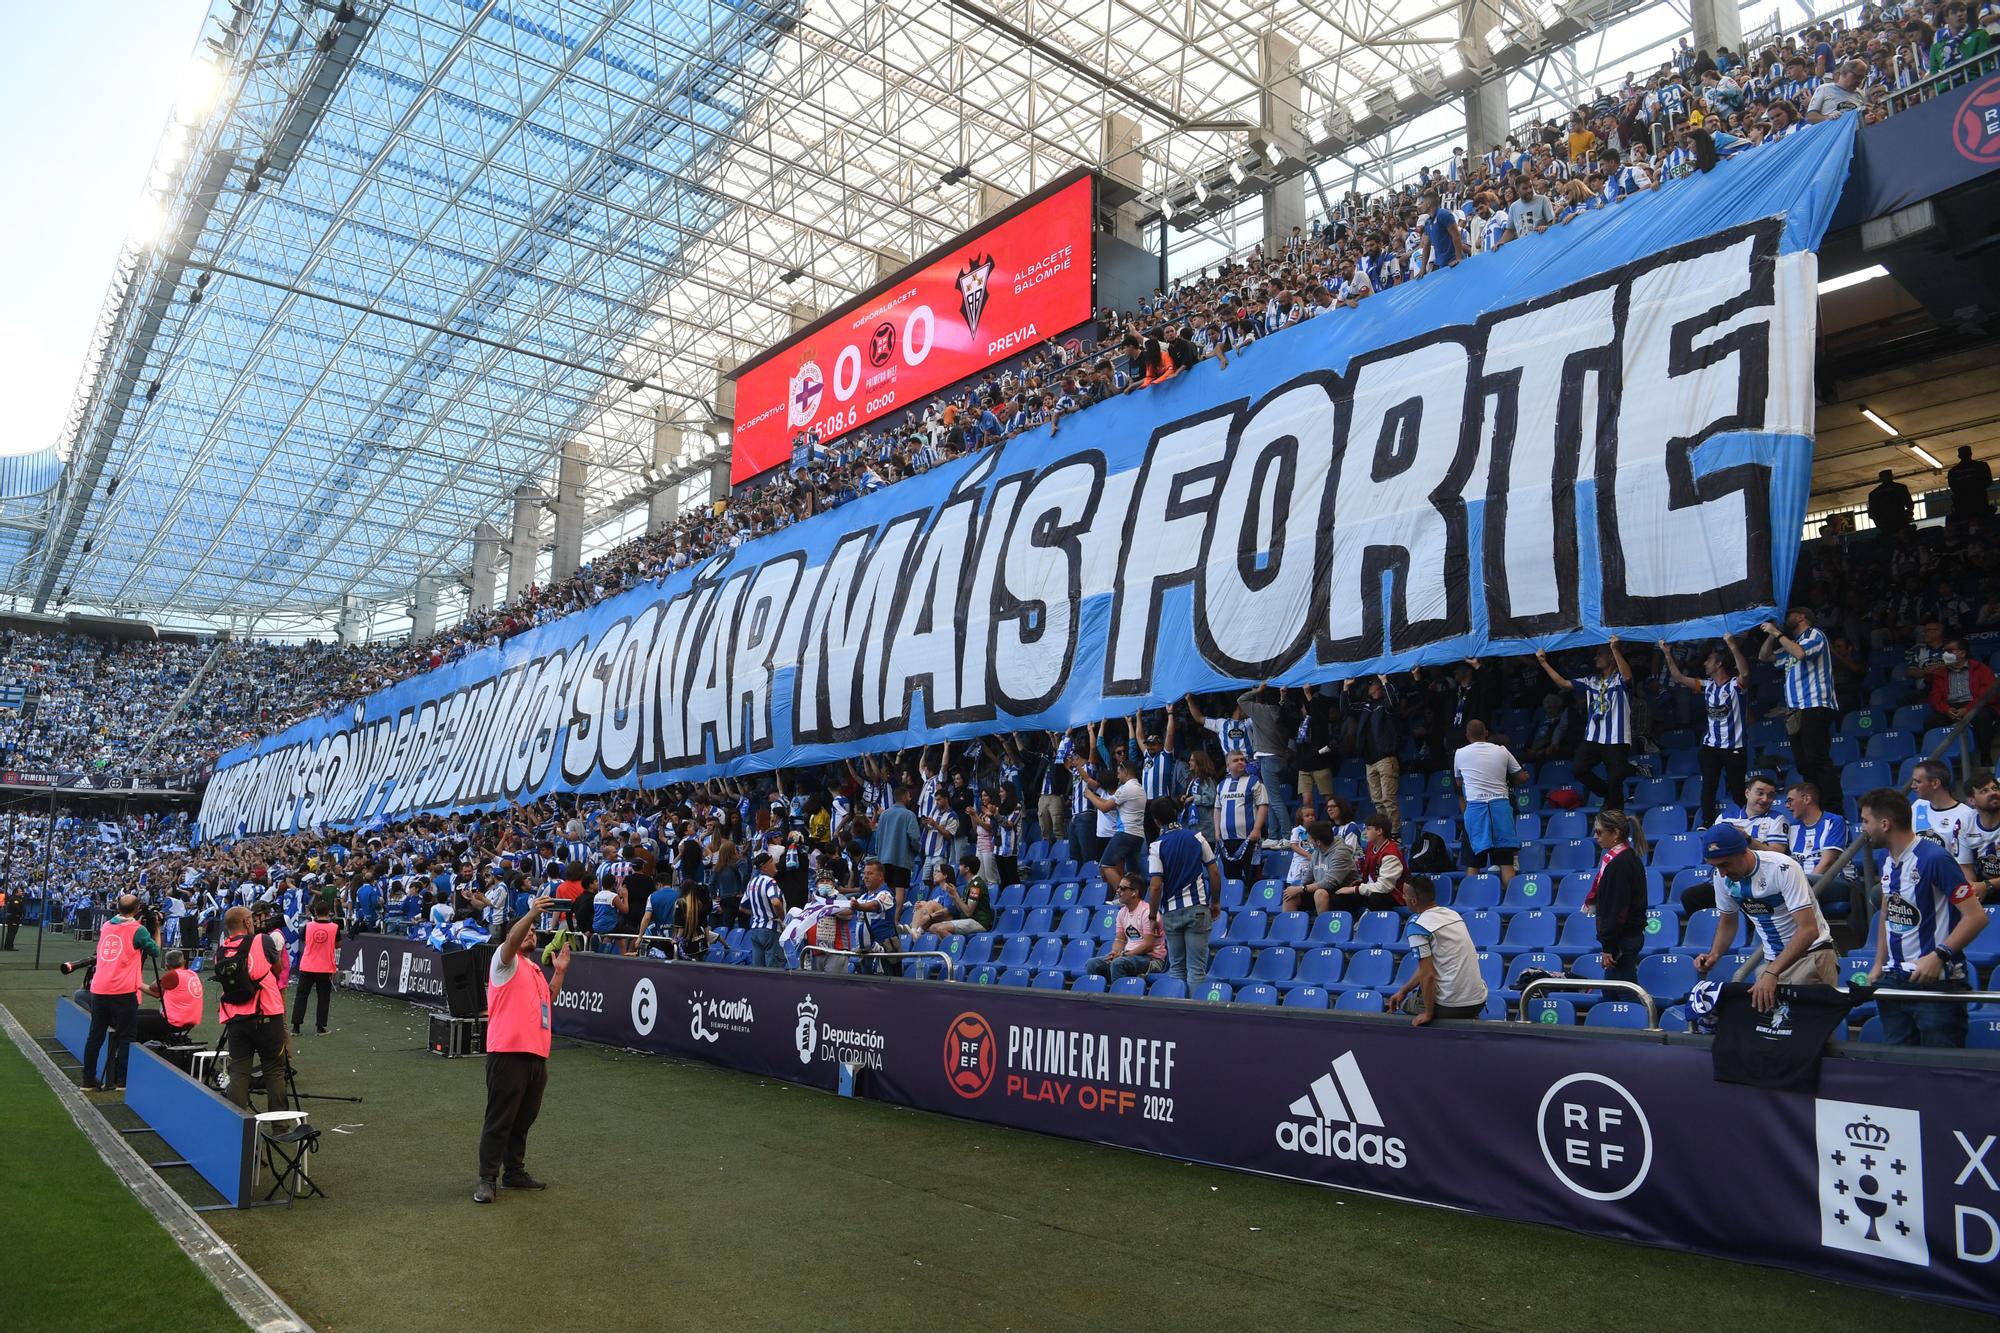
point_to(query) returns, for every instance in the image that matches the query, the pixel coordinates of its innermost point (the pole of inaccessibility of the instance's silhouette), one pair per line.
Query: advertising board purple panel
(1883, 1178)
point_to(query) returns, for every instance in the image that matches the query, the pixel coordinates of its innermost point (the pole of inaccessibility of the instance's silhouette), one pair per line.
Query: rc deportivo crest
(1871, 1180)
(803, 395)
(972, 290)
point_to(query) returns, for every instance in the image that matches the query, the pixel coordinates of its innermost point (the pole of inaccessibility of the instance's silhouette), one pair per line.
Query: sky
(88, 103)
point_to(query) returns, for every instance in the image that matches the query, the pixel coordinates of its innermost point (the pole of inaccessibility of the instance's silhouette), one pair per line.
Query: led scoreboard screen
(1025, 276)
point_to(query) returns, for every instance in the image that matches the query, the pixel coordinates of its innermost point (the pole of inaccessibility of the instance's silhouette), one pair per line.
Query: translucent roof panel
(413, 249)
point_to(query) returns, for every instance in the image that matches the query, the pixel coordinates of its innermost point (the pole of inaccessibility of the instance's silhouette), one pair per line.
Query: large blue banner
(1606, 429)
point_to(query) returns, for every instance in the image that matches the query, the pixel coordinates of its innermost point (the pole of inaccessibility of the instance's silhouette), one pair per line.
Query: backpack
(232, 972)
(1430, 854)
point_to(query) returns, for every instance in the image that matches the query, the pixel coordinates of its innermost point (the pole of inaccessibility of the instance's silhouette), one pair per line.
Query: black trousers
(116, 1015)
(1723, 775)
(262, 1039)
(309, 982)
(1812, 755)
(153, 1026)
(1616, 761)
(13, 929)
(515, 1082)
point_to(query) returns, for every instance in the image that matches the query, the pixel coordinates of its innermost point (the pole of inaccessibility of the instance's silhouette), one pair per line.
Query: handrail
(950, 963)
(1584, 983)
(1931, 85)
(1963, 996)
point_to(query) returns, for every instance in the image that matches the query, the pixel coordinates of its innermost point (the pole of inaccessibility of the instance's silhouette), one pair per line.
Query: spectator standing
(1262, 710)
(319, 955)
(766, 904)
(1186, 885)
(1138, 947)
(1484, 774)
(1929, 916)
(1889, 505)
(123, 945)
(1607, 733)
(1839, 94)
(1772, 891)
(897, 842)
(1618, 896)
(1447, 983)
(1971, 483)
(1121, 821)
(1313, 755)
(519, 1004)
(1241, 809)
(1378, 738)
(1724, 755)
(1980, 855)
(1807, 664)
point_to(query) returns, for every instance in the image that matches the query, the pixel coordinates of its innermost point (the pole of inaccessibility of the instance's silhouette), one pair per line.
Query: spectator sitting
(1334, 861)
(1137, 946)
(1447, 983)
(1957, 684)
(1381, 870)
(957, 913)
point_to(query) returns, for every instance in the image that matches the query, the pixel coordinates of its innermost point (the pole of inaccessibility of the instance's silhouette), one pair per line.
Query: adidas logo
(1338, 1118)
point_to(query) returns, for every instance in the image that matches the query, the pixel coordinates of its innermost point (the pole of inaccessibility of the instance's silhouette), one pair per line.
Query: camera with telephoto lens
(85, 963)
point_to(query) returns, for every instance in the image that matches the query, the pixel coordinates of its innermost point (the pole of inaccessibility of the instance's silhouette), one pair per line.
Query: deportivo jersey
(1607, 708)
(1156, 774)
(1979, 852)
(1774, 891)
(1944, 827)
(1921, 893)
(1808, 679)
(1771, 827)
(1236, 802)
(1723, 704)
(1300, 869)
(1234, 733)
(1810, 841)
(764, 914)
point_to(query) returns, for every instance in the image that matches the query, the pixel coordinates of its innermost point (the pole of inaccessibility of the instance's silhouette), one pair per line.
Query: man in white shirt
(1121, 822)
(1483, 773)
(1770, 889)
(1936, 813)
(1447, 983)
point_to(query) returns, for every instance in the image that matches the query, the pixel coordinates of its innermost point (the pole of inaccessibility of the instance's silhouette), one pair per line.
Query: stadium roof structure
(397, 255)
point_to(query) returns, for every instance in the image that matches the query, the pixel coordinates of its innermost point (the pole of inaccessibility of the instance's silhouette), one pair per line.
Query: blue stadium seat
(1554, 1009)
(1871, 1031)
(1698, 932)
(1662, 820)
(1331, 928)
(1483, 925)
(1165, 987)
(1532, 855)
(1319, 967)
(1287, 928)
(1089, 985)
(1908, 718)
(1075, 924)
(1010, 895)
(1257, 994)
(1575, 854)
(1528, 893)
(1382, 930)
(1218, 929)
(1046, 954)
(1362, 1001)
(1103, 924)
(1066, 896)
(1579, 935)
(1230, 963)
(1367, 969)
(1677, 851)
(1982, 1030)
(1047, 981)
(1014, 952)
(1267, 895)
(1574, 888)
(1093, 893)
(1129, 986)
(1616, 1014)
(1076, 956)
(1477, 890)
(984, 975)
(1674, 1018)
(1541, 961)
(1528, 932)
(1039, 921)
(1064, 869)
(1655, 791)
(1688, 878)
(1247, 927)
(1843, 750)
(1040, 894)
(1668, 977)
(1306, 997)
(1234, 895)
(979, 948)
(1014, 976)
(1216, 992)
(1566, 825)
(1275, 965)
(1891, 746)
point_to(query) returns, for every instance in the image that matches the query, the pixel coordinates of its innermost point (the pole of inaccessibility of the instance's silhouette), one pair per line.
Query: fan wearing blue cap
(1770, 889)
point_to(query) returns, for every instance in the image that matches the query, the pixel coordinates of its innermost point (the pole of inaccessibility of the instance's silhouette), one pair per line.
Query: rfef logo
(1975, 130)
(971, 1055)
(1595, 1137)
(1341, 1097)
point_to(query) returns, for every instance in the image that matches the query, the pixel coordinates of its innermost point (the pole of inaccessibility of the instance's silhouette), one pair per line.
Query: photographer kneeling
(253, 1008)
(179, 992)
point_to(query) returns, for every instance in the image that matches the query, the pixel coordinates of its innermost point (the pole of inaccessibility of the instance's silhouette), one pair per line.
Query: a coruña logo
(972, 289)
(970, 1055)
(1975, 130)
(807, 1036)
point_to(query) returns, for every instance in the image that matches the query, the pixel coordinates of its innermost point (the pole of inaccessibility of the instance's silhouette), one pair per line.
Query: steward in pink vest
(519, 1008)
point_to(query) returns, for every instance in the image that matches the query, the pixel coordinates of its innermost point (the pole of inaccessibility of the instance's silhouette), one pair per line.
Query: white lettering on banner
(1468, 483)
(1341, 1097)
(1595, 1137)
(1072, 1067)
